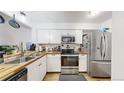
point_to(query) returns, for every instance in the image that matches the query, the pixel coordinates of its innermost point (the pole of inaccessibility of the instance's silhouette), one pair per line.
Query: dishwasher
(19, 76)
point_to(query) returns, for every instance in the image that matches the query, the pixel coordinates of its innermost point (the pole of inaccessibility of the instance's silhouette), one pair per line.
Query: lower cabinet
(54, 63)
(37, 70)
(82, 63)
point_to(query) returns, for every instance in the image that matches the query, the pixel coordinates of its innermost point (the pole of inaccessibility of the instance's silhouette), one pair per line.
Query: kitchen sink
(20, 60)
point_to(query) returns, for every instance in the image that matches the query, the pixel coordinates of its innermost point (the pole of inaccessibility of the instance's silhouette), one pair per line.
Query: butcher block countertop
(7, 70)
(19, 54)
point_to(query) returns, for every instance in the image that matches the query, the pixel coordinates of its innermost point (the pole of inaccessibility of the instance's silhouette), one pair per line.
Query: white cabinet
(48, 36)
(78, 36)
(53, 63)
(68, 32)
(55, 36)
(43, 67)
(82, 63)
(33, 74)
(43, 36)
(37, 70)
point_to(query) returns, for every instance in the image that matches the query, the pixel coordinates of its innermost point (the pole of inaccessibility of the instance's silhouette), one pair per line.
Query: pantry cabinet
(82, 63)
(37, 70)
(53, 63)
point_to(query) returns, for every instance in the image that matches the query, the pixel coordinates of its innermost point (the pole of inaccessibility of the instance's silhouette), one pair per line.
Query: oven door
(69, 64)
(69, 61)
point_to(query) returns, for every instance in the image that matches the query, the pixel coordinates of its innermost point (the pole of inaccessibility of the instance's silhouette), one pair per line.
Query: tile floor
(55, 77)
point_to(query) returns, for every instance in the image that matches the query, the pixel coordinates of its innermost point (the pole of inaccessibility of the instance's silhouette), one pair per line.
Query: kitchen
(57, 46)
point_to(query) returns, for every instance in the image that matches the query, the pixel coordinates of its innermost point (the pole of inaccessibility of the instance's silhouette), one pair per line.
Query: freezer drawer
(100, 69)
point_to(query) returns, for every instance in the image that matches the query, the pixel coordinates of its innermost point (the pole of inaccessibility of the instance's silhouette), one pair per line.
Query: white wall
(10, 35)
(107, 24)
(67, 26)
(117, 46)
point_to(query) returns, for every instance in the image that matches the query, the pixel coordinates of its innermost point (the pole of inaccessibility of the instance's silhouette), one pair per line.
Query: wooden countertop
(19, 53)
(7, 70)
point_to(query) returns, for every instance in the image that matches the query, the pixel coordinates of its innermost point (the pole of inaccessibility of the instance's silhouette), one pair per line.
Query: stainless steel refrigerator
(99, 64)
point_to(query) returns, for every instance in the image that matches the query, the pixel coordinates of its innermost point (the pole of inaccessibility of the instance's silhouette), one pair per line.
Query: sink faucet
(22, 52)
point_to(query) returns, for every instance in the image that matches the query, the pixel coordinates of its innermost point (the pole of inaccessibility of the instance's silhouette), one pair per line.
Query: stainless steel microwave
(68, 39)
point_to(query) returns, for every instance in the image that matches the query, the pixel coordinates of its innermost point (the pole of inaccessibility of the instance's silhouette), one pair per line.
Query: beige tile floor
(55, 77)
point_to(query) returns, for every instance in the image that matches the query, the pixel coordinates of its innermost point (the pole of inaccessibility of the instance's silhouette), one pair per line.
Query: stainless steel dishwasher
(19, 76)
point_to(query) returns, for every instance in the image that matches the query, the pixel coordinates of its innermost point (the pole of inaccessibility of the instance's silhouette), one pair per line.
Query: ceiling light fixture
(93, 13)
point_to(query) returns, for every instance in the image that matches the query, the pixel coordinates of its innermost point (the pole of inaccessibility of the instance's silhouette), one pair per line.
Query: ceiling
(36, 17)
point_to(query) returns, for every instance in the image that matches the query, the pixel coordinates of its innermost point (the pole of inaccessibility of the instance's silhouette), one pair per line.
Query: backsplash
(52, 47)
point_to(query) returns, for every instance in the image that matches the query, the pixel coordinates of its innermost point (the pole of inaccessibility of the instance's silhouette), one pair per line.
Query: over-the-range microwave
(67, 39)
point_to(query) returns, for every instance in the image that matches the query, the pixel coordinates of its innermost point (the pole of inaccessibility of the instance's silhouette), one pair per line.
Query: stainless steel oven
(69, 62)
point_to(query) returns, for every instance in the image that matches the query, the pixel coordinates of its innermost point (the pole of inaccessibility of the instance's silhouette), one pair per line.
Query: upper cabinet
(68, 32)
(48, 36)
(43, 36)
(54, 36)
(78, 36)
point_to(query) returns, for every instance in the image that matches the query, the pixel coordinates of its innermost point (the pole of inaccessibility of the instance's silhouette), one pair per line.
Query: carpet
(72, 78)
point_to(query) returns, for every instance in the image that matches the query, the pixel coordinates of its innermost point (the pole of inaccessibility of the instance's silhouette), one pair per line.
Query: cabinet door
(55, 36)
(43, 67)
(37, 70)
(82, 63)
(43, 36)
(34, 75)
(79, 36)
(53, 63)
(68, 32)
(33, 72)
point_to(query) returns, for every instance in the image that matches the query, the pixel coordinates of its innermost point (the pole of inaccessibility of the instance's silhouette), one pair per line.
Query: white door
(82, 63)
(53, 63)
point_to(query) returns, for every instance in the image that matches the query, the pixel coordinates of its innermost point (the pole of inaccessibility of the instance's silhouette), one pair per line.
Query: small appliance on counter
(59, 48)
(32, 47)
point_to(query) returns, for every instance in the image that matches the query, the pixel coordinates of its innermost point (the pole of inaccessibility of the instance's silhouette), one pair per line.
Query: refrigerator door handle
(101, 46)
(104, 47)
